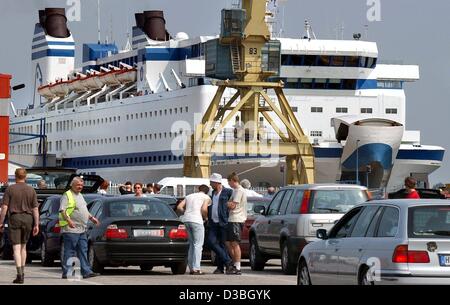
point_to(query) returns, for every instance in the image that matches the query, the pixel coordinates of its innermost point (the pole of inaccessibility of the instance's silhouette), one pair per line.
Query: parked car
(183, 186)
(292, 218)
(58, 181)
(143, 232)
(49, 230)
(172, 201)
(400, 241)
(423, 193)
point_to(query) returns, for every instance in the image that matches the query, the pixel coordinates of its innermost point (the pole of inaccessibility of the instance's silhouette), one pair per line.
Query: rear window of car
(336, 201)
(429, 222)
(141, 208)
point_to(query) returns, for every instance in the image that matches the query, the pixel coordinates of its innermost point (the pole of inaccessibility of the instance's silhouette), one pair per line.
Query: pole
(357, 162)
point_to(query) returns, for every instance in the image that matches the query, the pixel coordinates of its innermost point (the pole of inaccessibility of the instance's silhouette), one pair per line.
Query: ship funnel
(140, 20)
(155, 25)
(54, 21)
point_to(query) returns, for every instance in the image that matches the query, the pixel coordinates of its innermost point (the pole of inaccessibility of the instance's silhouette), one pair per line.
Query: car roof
(409, 202)
(128, 199)
(326, 186)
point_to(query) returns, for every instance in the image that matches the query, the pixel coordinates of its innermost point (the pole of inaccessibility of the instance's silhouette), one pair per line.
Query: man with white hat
(217, 224)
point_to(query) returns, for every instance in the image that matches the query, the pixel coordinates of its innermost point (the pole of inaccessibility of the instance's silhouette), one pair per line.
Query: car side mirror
(259, 209)
(322, 234)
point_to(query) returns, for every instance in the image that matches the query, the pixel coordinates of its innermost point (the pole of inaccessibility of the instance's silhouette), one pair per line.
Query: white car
(382, 242)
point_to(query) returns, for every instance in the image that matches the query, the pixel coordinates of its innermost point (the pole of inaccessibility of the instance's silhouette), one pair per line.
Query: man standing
(217, 224)
(126, 189)
(21, 201)
(236, 220)
(73, 219)
(247, 185)
(195, 208)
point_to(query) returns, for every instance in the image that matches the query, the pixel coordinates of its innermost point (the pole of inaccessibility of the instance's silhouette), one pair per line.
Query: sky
(409, 31)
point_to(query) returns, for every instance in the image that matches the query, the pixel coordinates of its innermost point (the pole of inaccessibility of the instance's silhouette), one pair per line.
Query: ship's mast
(98, 22)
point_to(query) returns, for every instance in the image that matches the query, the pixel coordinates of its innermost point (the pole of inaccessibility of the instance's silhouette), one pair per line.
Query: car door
(278, 223)
(95, 207)
(351, 249)
(324, 261)
(263, 223)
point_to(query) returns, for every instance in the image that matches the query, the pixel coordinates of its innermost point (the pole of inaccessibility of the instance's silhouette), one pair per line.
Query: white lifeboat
(92, 82)
(59, 89)
(108, 77)
(126, 76)
(45, 92)
(76, 85)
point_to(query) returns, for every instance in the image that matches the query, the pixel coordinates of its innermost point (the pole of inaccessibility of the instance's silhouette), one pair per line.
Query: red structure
(5, 95)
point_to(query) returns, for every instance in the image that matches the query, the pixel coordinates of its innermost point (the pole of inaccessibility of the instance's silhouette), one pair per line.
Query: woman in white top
(195, 208)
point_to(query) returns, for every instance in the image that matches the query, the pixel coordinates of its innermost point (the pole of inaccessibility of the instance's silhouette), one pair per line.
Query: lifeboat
(59, 89)
(109, 78)
(126, 76)
(92, 82)
(45, 92)
(76, 84)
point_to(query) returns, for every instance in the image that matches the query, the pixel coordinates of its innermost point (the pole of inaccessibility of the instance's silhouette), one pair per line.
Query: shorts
(234, 231)
(20, 226)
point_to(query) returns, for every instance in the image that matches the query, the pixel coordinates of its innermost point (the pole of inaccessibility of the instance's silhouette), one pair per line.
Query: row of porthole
(135, 160)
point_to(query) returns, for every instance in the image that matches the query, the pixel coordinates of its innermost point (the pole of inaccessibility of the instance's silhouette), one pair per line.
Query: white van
(182, 186)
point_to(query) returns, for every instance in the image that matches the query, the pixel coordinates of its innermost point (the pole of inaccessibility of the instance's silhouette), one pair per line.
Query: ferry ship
(127, 114)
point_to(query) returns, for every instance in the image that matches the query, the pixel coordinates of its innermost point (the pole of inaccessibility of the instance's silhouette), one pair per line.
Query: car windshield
(141, 208)
(336, 201)
(429, 221)
(47, 180)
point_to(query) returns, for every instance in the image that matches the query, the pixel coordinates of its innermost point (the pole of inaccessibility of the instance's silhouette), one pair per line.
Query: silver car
(382, 242)
(293, 217)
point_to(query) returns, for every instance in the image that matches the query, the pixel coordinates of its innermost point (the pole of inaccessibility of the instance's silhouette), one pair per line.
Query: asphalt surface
(35, 274)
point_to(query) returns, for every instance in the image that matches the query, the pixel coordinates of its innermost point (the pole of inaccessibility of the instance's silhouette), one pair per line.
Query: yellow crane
(243, 59)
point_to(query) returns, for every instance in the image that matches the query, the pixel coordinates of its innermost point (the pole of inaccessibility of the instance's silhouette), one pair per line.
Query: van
(180, 187)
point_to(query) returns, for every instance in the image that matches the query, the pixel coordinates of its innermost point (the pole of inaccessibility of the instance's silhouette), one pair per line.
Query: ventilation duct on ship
(153, 24)
(54, 21)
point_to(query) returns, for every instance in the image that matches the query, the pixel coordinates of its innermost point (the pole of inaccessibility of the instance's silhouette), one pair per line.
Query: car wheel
(303, 277)
(146, 267)
(257, 260)
(179, 268)
(46, 259)
(287, 263)
(93, 261)
(365, 278)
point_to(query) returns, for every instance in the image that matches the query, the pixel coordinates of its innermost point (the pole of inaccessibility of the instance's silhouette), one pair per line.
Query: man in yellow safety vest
(73, 219)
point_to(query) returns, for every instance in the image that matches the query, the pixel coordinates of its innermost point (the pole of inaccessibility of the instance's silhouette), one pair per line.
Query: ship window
(110, 140)
(291, 83)
(309, 60)
(118, 118)
(140, 159)
(159, 158)
(165, 158)
(137, 116)
(334, 84)
(160, 113)
(371, 62)
(170, 158)
(165, 135)
(101, 141)
(110, 120)
(118, 140)
(127, 139)
(181, 109)
(156, 136)
(142, 115)
(341, 110)
(131, 117)
(391, 111)
(323, 61)
(128, 117)
(136, 138)
(145, 137)
(306, 83)
(176, 110)
(315, 133)
(170, 134)
(352, 61)
(366, 110)
(141, 137)
(160, 135)
(320, 83)
(150, 136)
(316, 109)
(349, 84)
(180, 158)
(156, 113)
(135, 160)
(337, 61)
(145, 159)
(151, 114)
(146, 114)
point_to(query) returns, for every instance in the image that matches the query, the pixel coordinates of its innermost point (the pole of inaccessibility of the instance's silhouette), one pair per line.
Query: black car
(57, 181)
(423, 193)
(49, 231)
(141, 232)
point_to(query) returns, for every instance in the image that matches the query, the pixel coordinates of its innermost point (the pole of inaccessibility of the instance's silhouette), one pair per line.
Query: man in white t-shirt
(236, 220)
(195, 208)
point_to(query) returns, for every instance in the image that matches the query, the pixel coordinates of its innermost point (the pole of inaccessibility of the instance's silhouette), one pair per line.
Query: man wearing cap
(217, 224)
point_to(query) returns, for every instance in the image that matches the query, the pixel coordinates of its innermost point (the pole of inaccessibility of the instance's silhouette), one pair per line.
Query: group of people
(139, 189)
(21, 204)
(225, 213)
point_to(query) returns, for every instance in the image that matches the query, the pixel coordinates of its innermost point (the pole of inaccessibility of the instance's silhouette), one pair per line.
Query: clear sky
(410, 31)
